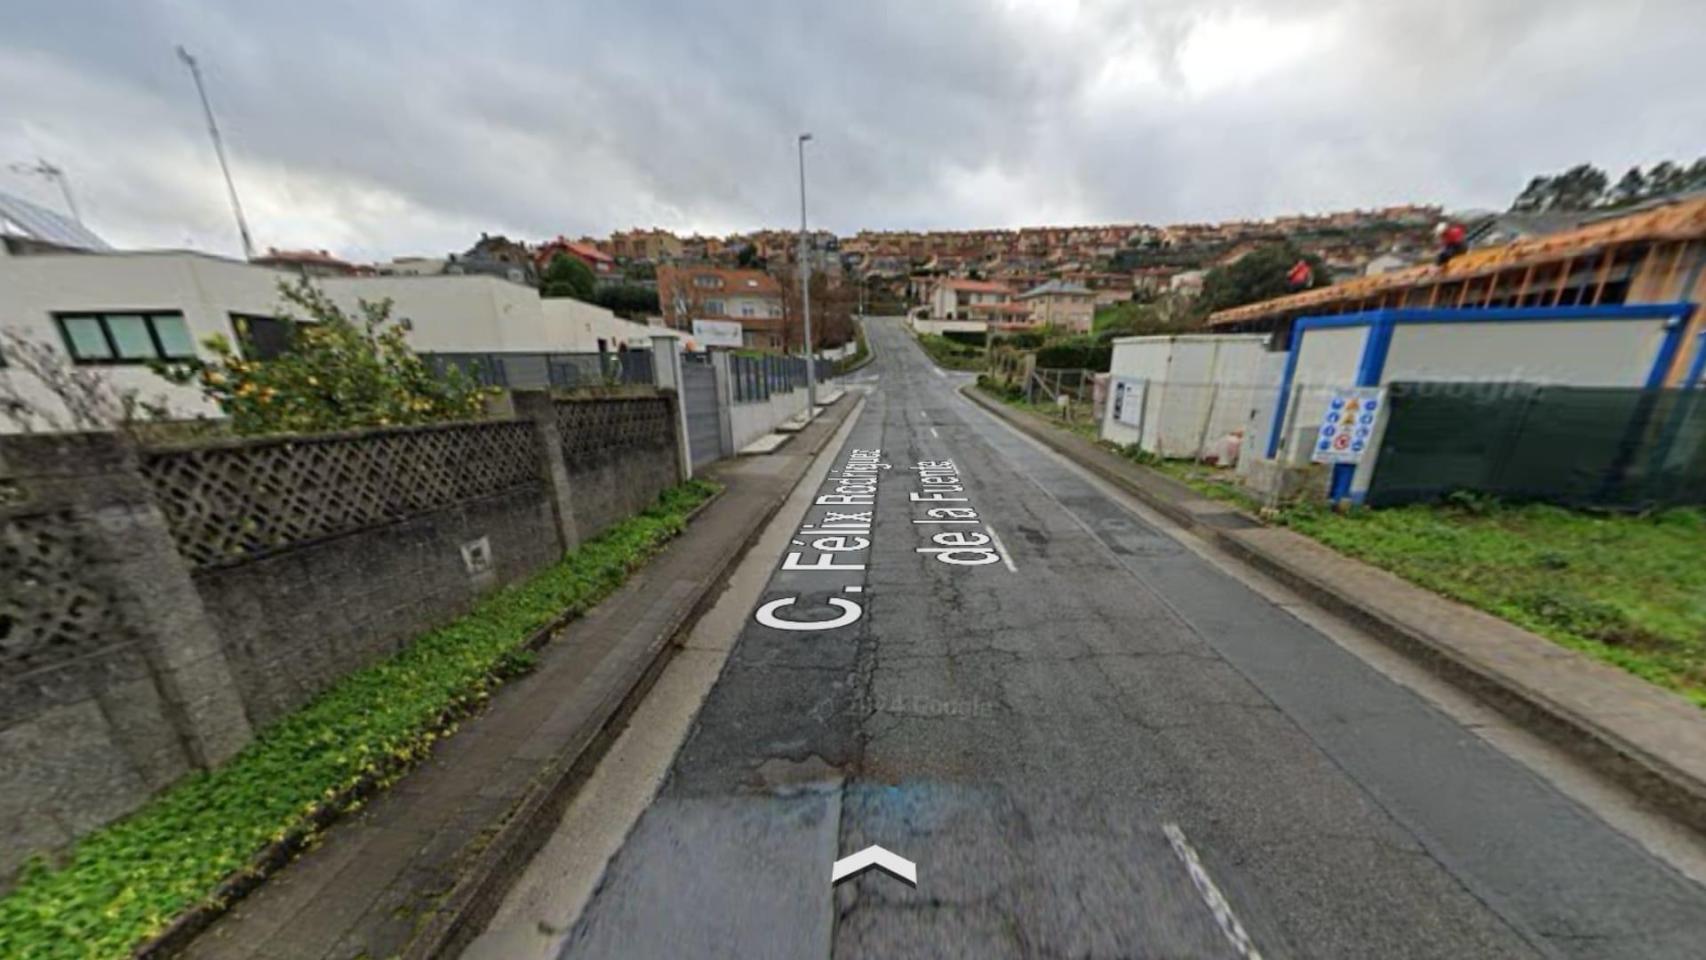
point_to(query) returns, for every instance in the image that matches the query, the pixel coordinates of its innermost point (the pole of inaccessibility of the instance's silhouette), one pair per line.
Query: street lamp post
(219, 150)
(805, 286)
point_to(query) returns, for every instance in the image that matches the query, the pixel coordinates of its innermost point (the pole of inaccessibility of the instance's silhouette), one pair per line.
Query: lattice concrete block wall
(316, 556)
(235, 501)
(156, 606)
(297, 620)
(620, 454)
(110, 685)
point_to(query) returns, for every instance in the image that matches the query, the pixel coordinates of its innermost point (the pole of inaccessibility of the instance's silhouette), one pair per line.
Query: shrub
(1082, 352)
(970, 338)
(338, 374)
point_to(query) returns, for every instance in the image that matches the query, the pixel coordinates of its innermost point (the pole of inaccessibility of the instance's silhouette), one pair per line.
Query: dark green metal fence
(1580, 446)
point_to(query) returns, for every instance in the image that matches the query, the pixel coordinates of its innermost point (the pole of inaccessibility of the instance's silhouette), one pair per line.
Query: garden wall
(157, 605)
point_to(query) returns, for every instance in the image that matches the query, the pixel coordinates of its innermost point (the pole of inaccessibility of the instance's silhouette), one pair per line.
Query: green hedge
(126, 882)
(971, 338)
(1076, 353)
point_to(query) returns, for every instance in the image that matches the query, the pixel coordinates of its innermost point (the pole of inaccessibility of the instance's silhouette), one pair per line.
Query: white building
(957, 298)
(1187, 283)
(117, 311)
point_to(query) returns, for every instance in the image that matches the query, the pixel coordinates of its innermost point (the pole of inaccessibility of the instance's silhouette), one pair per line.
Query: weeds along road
(1091, 741)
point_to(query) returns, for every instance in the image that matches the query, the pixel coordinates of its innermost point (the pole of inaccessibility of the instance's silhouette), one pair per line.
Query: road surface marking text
(961, 548)
(834, 538)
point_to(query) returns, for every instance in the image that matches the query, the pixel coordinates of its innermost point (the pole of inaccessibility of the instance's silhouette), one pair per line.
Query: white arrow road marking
(874, 856)
(1211, 895)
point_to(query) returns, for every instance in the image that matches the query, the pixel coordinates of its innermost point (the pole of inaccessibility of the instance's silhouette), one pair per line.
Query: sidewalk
(418, 871)
(1647, 739)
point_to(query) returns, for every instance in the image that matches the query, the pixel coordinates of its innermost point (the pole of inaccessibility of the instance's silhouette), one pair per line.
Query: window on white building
(114, 338)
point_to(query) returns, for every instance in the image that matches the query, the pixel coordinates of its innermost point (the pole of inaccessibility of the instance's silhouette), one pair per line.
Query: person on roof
(1453, 240)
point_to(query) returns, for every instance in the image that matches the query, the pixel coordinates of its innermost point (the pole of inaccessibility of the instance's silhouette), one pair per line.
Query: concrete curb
(470, 905)
(1660, 777)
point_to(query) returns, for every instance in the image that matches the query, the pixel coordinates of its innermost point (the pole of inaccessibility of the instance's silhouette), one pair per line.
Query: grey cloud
(404, 128)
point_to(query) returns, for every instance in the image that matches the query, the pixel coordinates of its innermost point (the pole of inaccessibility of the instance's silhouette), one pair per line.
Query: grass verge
(1075, 418)
(1627, 589)
(127, 882)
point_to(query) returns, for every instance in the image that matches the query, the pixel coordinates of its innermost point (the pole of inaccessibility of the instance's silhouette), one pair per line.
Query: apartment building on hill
(722, 295)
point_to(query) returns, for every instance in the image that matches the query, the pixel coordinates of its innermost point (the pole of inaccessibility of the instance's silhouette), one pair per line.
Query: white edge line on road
(1006, 558)
(1211, 895)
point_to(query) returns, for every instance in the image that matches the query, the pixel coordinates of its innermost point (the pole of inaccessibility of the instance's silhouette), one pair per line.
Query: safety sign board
(1128, 401)
(1347, 425)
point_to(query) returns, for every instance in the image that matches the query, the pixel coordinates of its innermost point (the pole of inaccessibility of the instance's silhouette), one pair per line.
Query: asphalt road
(1092, 742)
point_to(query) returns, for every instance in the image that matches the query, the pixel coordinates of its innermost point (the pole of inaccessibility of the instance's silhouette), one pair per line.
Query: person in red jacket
(1453, 240)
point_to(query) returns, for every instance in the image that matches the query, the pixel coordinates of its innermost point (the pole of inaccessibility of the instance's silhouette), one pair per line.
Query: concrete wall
(609, 489)
(112, 682)
(156, 606)
(295, 622)
(754, 419)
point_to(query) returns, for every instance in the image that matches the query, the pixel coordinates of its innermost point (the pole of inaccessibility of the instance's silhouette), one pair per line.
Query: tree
(1582, 187)
(339, 374)
(1630, 188)
(1258, 275)
(1169, 313)
(567, 276)
(628, 299)
(748, 258)
(1533, 197)
(833, 305)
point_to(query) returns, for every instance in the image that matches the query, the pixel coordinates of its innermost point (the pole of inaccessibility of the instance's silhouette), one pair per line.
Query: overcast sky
(376, 129)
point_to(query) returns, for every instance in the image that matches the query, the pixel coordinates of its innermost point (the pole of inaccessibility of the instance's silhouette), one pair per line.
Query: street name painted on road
(834, 542)
(959, 547)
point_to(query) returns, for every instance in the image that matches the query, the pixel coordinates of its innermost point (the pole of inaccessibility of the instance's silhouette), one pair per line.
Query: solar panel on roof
(19, 217)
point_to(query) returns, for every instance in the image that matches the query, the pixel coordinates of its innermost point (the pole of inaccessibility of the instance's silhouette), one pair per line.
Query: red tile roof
(976, 286)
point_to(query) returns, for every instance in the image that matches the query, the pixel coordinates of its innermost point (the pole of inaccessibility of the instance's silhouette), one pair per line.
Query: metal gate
(704, 430)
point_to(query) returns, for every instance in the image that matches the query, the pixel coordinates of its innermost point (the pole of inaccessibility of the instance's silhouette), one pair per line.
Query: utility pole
(219, 149)
(805, 285)
(42, 168)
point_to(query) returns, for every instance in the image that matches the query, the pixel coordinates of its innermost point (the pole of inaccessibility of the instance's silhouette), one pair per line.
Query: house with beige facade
(1059, 303)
